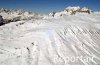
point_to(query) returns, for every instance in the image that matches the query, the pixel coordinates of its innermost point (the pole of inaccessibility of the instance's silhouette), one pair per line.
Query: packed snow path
(51, 41)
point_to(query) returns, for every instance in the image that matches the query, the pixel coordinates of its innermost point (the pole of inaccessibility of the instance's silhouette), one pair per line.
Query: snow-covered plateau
(59, 38)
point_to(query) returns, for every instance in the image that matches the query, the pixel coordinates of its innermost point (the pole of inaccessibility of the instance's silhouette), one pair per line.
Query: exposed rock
(52, 14)
(1, 20)
(77, 9)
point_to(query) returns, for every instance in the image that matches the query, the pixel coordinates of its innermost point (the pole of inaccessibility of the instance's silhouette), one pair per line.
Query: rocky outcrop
(52, 14)
(74, 10)
(1, 20)
(71, 11)
(5, 21)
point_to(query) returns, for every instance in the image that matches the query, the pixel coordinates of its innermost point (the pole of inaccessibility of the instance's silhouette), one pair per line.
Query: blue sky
(45, 6)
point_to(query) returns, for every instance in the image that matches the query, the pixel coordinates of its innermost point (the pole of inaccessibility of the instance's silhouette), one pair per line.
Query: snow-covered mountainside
(9, 15)
(72, 11)
(58, 40)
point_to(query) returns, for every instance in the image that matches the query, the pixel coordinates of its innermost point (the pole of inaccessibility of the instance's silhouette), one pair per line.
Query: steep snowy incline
(51, 41)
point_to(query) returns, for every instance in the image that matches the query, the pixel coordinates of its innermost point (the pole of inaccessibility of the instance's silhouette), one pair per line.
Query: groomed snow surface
(52, 41)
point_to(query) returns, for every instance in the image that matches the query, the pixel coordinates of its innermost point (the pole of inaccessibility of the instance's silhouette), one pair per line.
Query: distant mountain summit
(13, 10)
(77, 9)
(72, 10)
(9, 15)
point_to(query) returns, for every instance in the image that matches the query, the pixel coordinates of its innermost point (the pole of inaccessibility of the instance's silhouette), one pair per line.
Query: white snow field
(63, 40)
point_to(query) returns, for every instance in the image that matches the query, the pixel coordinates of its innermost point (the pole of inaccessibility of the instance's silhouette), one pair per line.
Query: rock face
(1, 20)
(77, 9)
(71, 11)
(5, 21)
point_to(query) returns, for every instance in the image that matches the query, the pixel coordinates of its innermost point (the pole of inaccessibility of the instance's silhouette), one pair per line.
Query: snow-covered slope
(51, 41)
